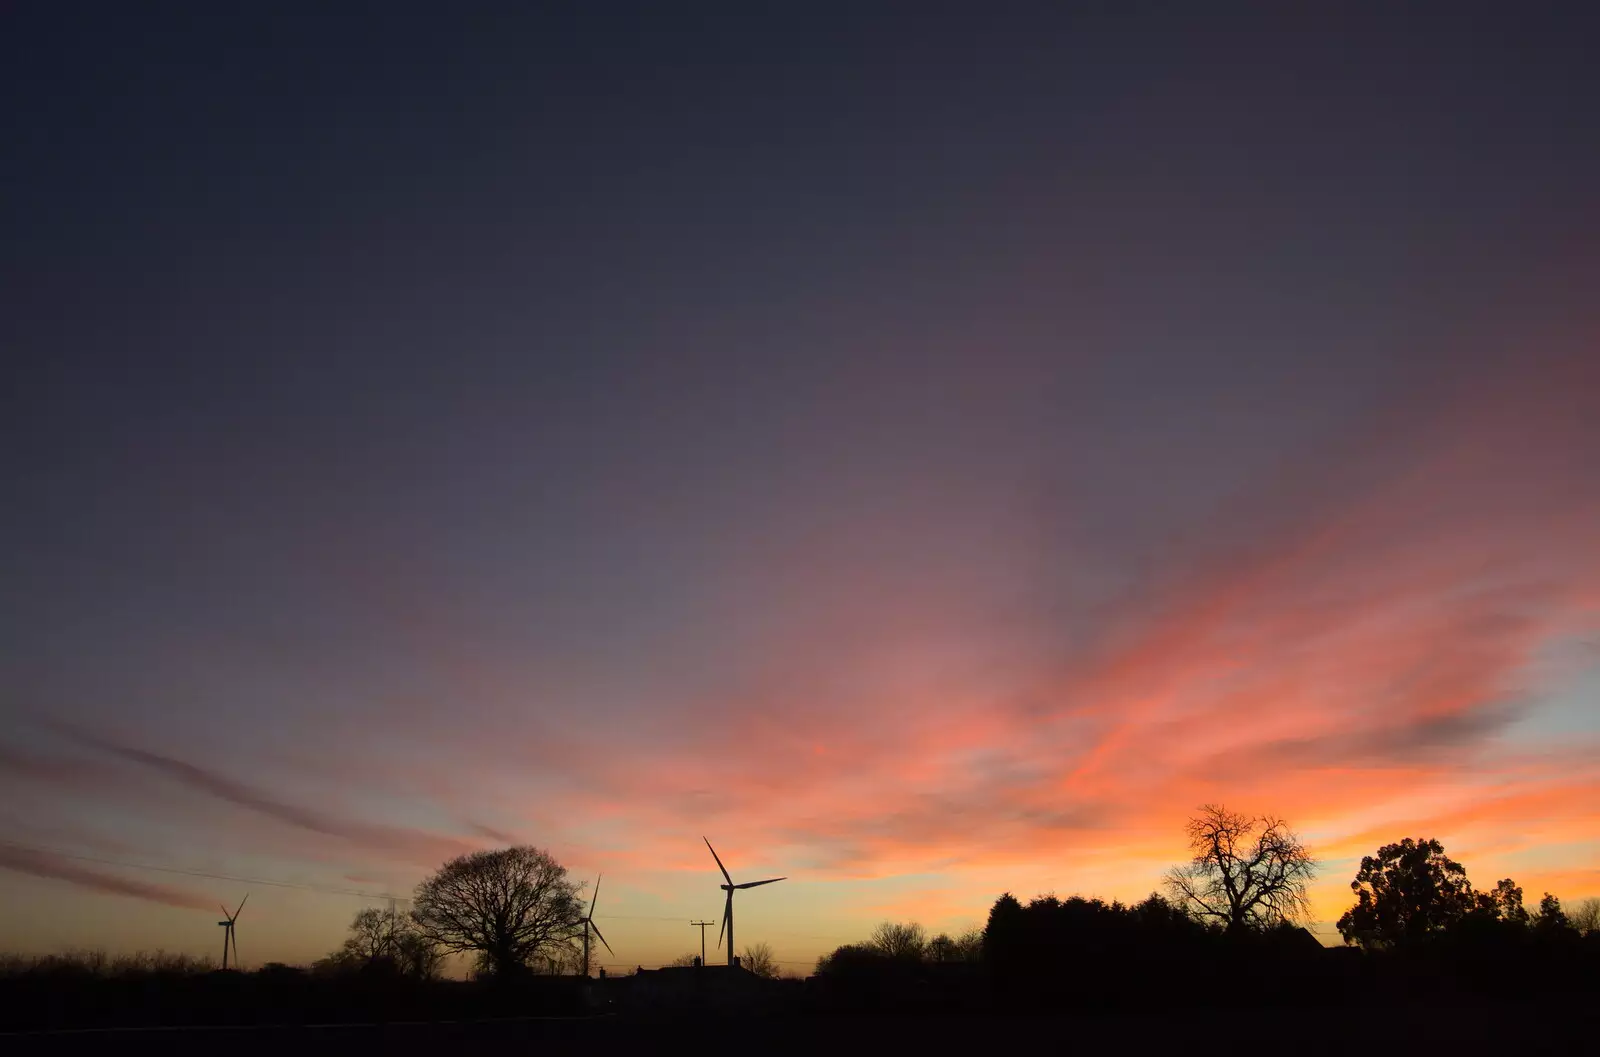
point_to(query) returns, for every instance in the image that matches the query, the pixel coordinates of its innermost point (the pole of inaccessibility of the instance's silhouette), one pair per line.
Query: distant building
(673, 987)
(1307, 943)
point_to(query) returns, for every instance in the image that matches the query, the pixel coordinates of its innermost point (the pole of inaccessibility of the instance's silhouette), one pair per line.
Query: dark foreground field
(1476, 1028)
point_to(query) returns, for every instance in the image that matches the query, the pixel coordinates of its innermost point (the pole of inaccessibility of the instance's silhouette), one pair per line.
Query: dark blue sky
(469, 380)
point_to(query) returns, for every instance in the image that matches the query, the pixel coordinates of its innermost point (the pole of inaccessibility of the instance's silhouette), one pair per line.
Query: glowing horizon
(1356, 676)
(926, 485)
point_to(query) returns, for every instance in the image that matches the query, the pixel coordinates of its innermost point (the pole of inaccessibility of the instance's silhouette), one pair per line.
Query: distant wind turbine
(588, 923)
(730, 888)
(228, 936)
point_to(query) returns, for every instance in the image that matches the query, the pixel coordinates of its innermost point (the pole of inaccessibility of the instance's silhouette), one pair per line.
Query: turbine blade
(757, 884)
(237, 964)
(727, 912)
(236, 914)
(602, 936)
(596, 898)
(721, 867)
(225, 911)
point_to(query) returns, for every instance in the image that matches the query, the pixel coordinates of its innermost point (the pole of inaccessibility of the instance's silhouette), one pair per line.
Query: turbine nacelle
(730, 888)
(590, 926)
(228, 936)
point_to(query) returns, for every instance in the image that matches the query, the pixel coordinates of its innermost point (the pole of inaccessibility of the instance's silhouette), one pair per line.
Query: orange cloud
(1359, 647)
(1371, 644)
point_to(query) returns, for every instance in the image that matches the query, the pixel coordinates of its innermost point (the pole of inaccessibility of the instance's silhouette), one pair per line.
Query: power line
(637, 917)
(321, 889)
(300, 885)
(702, 926)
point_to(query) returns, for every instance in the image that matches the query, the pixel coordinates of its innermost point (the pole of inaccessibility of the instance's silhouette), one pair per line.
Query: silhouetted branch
(1247, 871)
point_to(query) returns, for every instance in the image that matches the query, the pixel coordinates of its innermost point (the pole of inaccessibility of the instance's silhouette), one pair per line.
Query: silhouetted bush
(1086, 955)
(1425, 936)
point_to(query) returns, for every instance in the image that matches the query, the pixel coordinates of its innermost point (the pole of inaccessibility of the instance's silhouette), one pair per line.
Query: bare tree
(1585, 916)
(384, 941)
(684, 961)
(395, 938)
(941, 949)
(514, 908)
(967, 947)
(1247, 872)
(559, 961)
(374, 934)
(905, 941)
(758, 959)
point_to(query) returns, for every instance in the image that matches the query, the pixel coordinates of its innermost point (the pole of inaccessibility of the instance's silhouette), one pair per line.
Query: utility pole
(702, 926)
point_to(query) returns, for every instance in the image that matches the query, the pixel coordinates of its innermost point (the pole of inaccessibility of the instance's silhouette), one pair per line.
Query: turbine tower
(730, 888)
(588, 923)
(228, 937)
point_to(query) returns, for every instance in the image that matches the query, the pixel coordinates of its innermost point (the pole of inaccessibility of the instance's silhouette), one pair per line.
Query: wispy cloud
(1355, 639)
(57, 868)
(1352, 646)
(414, 845)
(497, 835)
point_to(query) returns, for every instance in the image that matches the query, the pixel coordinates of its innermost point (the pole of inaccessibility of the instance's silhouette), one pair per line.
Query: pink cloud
(1370, 642)
(61, 868)
(1351, 648)
(370, 839)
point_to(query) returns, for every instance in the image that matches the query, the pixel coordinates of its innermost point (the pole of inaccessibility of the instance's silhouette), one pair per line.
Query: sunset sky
(928, 451)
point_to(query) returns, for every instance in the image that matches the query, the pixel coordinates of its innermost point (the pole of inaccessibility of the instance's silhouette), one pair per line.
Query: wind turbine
(227, 933)
(730, 888)
(588, 923)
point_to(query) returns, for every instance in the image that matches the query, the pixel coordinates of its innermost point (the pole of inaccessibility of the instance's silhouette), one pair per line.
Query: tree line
(515, 911)
(1226, 930)
(1229, 925)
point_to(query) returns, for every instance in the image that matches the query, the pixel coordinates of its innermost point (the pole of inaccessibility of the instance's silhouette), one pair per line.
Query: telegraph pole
(702, 926)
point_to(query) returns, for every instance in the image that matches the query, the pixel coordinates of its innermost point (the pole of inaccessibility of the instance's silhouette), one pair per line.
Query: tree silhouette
(1585, 916)
(1404, 893)
(1501, 903)
(1246, 871)
(758, 959)
(1552, 923)
(850, 957)
(1006, 927)
(903, 942)
(510, 907)
(373, 934)
(383, 940)
(944, 949)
